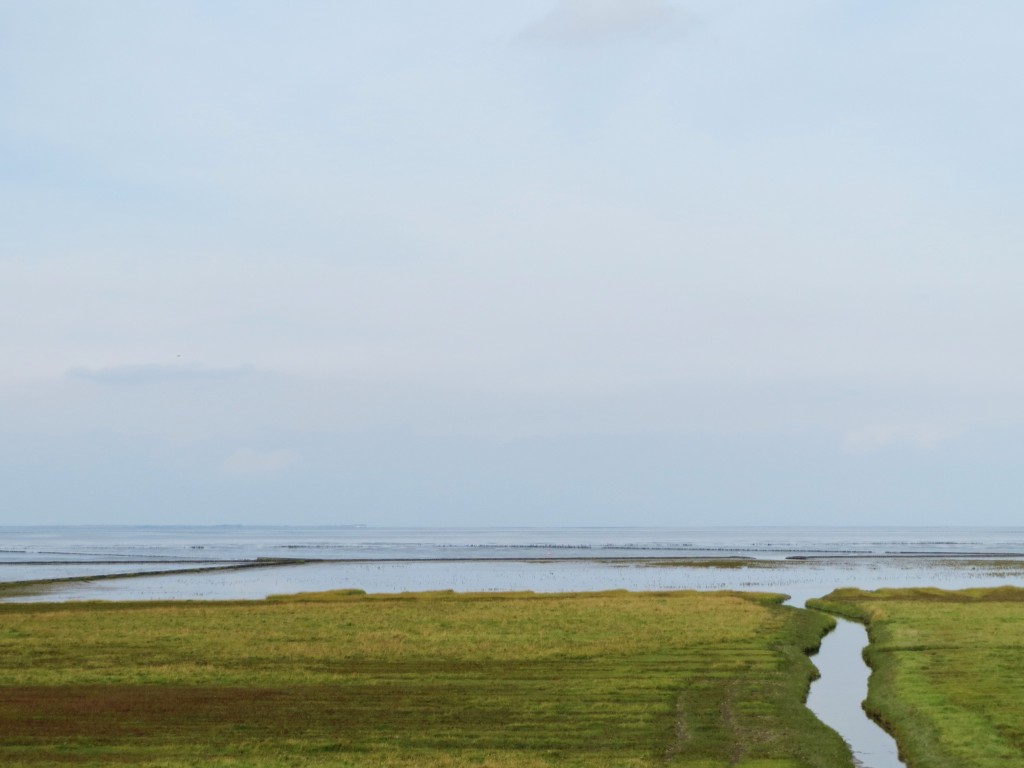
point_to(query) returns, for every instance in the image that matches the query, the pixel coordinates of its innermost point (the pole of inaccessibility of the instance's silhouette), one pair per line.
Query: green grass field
(702, 680)
(948, 675)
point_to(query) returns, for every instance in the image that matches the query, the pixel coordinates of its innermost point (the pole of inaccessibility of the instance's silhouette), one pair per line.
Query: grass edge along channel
(946, 667)
(695, 679)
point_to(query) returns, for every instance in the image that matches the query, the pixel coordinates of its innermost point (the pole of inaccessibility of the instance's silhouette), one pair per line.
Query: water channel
(837, 695)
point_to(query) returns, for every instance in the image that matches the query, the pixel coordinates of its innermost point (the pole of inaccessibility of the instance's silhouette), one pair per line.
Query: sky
(550, 262)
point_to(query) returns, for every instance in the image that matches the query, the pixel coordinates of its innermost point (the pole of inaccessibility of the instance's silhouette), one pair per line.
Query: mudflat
(423, 679)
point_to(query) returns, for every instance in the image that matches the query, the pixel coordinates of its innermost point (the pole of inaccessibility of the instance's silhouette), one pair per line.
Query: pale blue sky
(542, 262)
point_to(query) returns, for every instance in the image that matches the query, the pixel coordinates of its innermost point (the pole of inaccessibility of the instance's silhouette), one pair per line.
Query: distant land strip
(20, 587)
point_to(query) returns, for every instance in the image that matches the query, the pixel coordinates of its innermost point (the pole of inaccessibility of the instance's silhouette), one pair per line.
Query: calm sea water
(803, 562)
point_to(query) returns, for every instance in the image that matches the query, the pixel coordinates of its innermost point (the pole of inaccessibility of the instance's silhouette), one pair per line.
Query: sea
(233, 562)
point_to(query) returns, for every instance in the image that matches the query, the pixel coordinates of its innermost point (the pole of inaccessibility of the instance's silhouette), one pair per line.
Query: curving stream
(837, 695)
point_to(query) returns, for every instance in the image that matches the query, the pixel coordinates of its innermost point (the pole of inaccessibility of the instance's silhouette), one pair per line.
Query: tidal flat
(800, 578)
(428, 679)
(946, 678)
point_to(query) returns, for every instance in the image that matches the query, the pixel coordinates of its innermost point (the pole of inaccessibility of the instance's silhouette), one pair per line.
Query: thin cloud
(148, 375)
(875, 437)
(248, 461)
(585, 23)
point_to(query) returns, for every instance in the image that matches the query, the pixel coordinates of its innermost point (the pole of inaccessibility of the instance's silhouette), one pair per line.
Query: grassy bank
(947, 678)
(344, 679)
